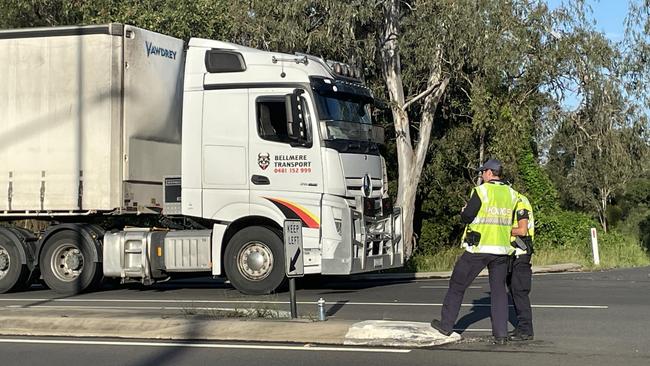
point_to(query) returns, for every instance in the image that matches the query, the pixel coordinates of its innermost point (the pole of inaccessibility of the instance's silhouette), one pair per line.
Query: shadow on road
(342, 284)
(336, 307)
(324, 285)
(479, 311)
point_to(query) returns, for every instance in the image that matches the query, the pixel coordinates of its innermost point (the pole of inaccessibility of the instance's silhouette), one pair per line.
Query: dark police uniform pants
(468, 266)
(519, 283)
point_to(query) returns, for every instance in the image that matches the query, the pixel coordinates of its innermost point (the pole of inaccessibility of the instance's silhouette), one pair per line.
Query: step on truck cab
(135, 156)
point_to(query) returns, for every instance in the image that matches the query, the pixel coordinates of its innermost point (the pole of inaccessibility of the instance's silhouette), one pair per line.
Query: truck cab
(270, 136)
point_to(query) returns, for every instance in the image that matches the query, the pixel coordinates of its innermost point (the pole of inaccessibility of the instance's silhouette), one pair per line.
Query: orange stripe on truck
(293, 210)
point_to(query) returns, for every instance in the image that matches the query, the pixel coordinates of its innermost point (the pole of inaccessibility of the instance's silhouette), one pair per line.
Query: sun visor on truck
(339, 88)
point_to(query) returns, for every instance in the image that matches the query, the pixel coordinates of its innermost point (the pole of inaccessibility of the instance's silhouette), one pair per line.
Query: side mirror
(296, 129)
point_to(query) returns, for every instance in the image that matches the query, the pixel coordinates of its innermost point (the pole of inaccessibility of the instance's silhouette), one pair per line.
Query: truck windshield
(347, 118)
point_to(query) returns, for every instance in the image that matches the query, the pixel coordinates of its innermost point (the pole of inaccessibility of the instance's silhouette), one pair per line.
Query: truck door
(286, 179)
(224, 155)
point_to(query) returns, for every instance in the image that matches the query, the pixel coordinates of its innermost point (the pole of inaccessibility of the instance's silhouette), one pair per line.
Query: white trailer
(146, 158)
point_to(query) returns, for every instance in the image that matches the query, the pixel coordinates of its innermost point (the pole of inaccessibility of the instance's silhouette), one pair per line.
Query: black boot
(517, 336)
(435, 324)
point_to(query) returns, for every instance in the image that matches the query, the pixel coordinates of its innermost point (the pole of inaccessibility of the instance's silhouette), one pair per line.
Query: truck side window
(272, 119)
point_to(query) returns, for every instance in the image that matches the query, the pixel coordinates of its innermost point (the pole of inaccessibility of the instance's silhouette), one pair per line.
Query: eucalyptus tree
(597, 150)
(502, 63)
(599, 144)
(637, 69)
(637, 50)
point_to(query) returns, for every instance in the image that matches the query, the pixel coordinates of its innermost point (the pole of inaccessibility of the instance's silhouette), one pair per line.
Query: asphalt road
(580, 319)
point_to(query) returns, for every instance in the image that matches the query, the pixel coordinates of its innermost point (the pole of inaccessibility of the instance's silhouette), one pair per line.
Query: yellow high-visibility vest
(494, 219)
(524, 204)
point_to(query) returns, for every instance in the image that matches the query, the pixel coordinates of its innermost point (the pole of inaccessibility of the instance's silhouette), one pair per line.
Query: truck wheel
(13, 274)
(34, 274)
(66, 263)
(254, 261)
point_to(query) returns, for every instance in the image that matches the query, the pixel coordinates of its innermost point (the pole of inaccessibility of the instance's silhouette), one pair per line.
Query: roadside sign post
(293, 259)
(292, 298)
(594, 246)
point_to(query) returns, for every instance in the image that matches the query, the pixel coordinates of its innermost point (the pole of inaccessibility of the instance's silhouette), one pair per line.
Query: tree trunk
(391, 68)
(604, 195)
(410, 161)
(406, 200)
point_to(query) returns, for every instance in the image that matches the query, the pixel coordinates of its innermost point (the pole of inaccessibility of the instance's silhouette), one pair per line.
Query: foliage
(442, 259)
(563, 236)
(618, 250)
(637, 192)
(634, 209)
(560, 228)
(537, 185)
(644, 232)
(637, 44)
(615, 249)
(598, 147)
(511, 66)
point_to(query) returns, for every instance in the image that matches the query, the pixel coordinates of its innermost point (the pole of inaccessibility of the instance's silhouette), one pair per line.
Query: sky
(608, 14)
(610, 17)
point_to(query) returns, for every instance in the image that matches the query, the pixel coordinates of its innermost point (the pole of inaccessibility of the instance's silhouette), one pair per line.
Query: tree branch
(466, 94)
(407, 5)
(431, 104)
(420, 96)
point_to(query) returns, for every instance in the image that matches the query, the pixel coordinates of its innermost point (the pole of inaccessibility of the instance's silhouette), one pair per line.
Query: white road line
(446, 287)
(570, 306)
(307, 347)
(168, 301)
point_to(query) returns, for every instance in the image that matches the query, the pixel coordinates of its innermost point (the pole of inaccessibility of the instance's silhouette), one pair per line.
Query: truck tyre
(13, 274)
(254, 261)
(24, 236)
(66, 263)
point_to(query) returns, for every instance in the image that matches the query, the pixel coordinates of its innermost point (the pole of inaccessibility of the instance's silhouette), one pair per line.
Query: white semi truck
(144, 158)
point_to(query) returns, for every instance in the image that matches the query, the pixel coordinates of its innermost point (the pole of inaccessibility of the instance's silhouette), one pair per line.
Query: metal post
(292, 298)
(322, 316)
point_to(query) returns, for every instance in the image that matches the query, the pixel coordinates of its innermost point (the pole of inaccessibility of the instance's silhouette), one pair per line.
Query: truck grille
(353, 186)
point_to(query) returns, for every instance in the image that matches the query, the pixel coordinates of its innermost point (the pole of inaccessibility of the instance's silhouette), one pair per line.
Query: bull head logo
(263, 160)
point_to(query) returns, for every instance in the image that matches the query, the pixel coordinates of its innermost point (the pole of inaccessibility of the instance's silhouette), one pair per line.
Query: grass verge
(440, 260)
(259, 311)
(616, 251)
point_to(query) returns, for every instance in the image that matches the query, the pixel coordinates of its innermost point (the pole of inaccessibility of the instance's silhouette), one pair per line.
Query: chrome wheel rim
(5, 262)
(255, 261)
(67, 262)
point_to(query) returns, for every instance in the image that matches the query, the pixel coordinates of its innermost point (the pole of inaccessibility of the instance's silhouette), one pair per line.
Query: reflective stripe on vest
(494, 219)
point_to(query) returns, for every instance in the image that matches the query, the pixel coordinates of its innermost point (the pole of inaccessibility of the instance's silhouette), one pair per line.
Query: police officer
(489, 218)
(520, 277)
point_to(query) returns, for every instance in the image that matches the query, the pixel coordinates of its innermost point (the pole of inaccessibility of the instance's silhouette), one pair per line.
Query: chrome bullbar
(376, 240)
